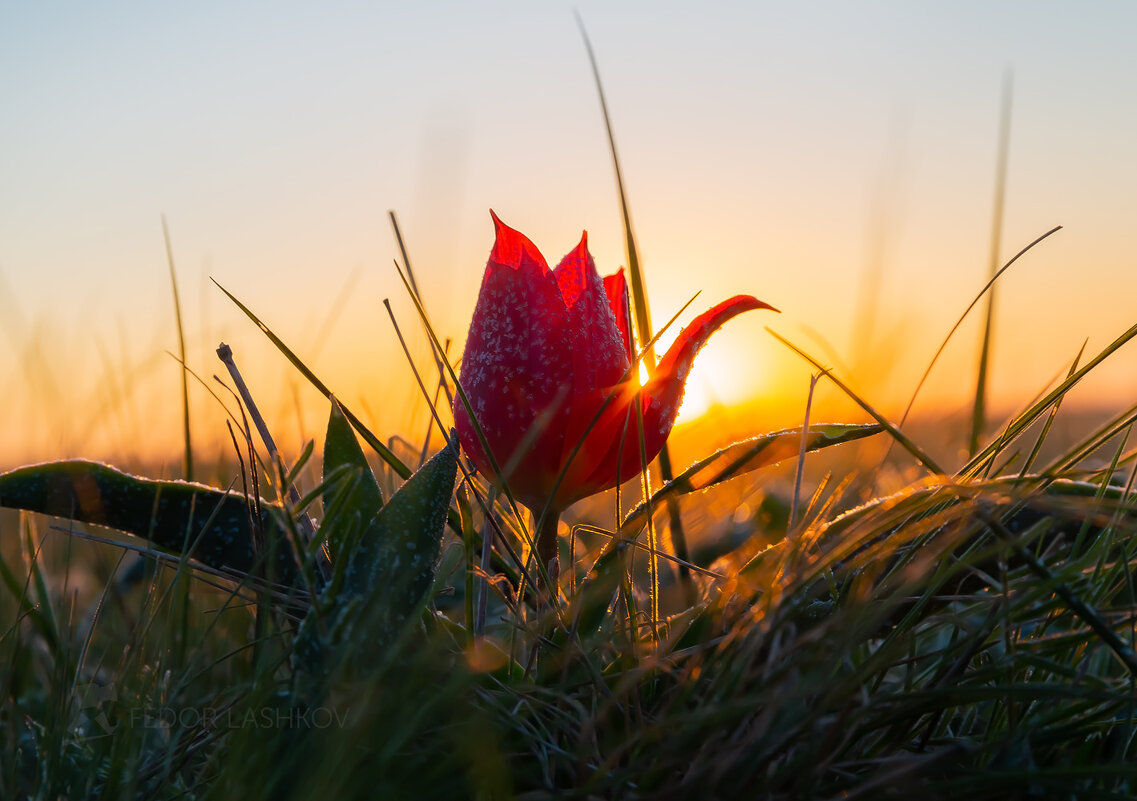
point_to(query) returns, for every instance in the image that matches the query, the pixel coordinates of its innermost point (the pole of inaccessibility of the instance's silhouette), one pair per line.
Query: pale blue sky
(764, 145)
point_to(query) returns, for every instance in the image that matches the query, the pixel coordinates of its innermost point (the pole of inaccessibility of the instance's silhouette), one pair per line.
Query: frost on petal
(517, 366)
(599, 357)
(544, 358)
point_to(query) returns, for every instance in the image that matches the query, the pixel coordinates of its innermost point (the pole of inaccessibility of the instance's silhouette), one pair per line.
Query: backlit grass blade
(986, 288)
(1050, 418)
(1024, 420)
(640, 305)
(979, 406)
(749, 455)
(187, 464)
(908, 445)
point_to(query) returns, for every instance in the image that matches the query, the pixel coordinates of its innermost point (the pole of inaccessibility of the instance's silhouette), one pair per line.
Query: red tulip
(546, 349)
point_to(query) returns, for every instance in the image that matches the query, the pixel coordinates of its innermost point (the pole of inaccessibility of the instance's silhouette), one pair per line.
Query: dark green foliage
(217, 528)
(386, 555)
(352, 500)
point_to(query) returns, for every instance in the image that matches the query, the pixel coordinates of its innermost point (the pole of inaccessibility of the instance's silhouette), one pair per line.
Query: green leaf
(203, 523)
(395, 561)
(352, 502)
(388, 574)
(742, 457)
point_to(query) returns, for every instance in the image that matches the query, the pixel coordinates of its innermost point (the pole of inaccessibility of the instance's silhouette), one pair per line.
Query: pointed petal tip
(749, 303)
(498, 225)
(578, 255)
(511, 247)
(502, 230)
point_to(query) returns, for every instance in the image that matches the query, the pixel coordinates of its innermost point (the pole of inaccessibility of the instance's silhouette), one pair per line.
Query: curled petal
(665, 387)
(658, 400)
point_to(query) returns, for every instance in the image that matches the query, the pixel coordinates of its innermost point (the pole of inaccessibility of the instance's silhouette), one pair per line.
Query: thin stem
(486, 563)
(546, 545)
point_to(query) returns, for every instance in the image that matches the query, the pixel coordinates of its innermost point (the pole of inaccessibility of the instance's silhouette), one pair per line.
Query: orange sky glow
(836, 160)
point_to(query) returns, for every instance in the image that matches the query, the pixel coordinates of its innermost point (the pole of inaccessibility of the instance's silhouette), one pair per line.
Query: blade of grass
(927, 461)
(813, 379)
(439, 354)
(187, 464)
(962, 317)
(1050, 419)
(643, 315)
(225, 353)
(1082, 609)
(743, 457)
(979, 407)
(385, 453)
(1023, 421)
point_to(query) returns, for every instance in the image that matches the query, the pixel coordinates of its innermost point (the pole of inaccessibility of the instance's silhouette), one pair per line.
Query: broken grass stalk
(307, 528)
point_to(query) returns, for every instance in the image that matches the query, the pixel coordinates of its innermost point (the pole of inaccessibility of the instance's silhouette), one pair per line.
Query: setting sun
(713, 381)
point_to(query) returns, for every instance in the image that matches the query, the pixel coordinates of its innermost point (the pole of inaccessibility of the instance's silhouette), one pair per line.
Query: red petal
(666, 384)
(572, 272)
(660, 400)
(599, 360)
(616, 288)
(513, 249)
(597, 462)
(517, 368)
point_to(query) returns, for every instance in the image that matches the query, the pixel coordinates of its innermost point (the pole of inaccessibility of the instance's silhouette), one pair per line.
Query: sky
(835, 159)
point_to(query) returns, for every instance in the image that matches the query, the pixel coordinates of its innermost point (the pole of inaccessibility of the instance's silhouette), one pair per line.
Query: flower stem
(546, 544)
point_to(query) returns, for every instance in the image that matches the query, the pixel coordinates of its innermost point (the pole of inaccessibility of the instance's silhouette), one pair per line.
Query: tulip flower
(547, 370)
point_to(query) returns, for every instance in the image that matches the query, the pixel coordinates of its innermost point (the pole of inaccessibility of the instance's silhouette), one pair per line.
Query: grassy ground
(968, 636)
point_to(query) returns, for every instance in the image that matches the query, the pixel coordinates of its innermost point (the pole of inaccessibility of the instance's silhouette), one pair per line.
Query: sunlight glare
(714, 380)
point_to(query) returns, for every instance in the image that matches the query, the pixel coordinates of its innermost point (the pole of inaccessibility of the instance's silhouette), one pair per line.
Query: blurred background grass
(836, 161)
